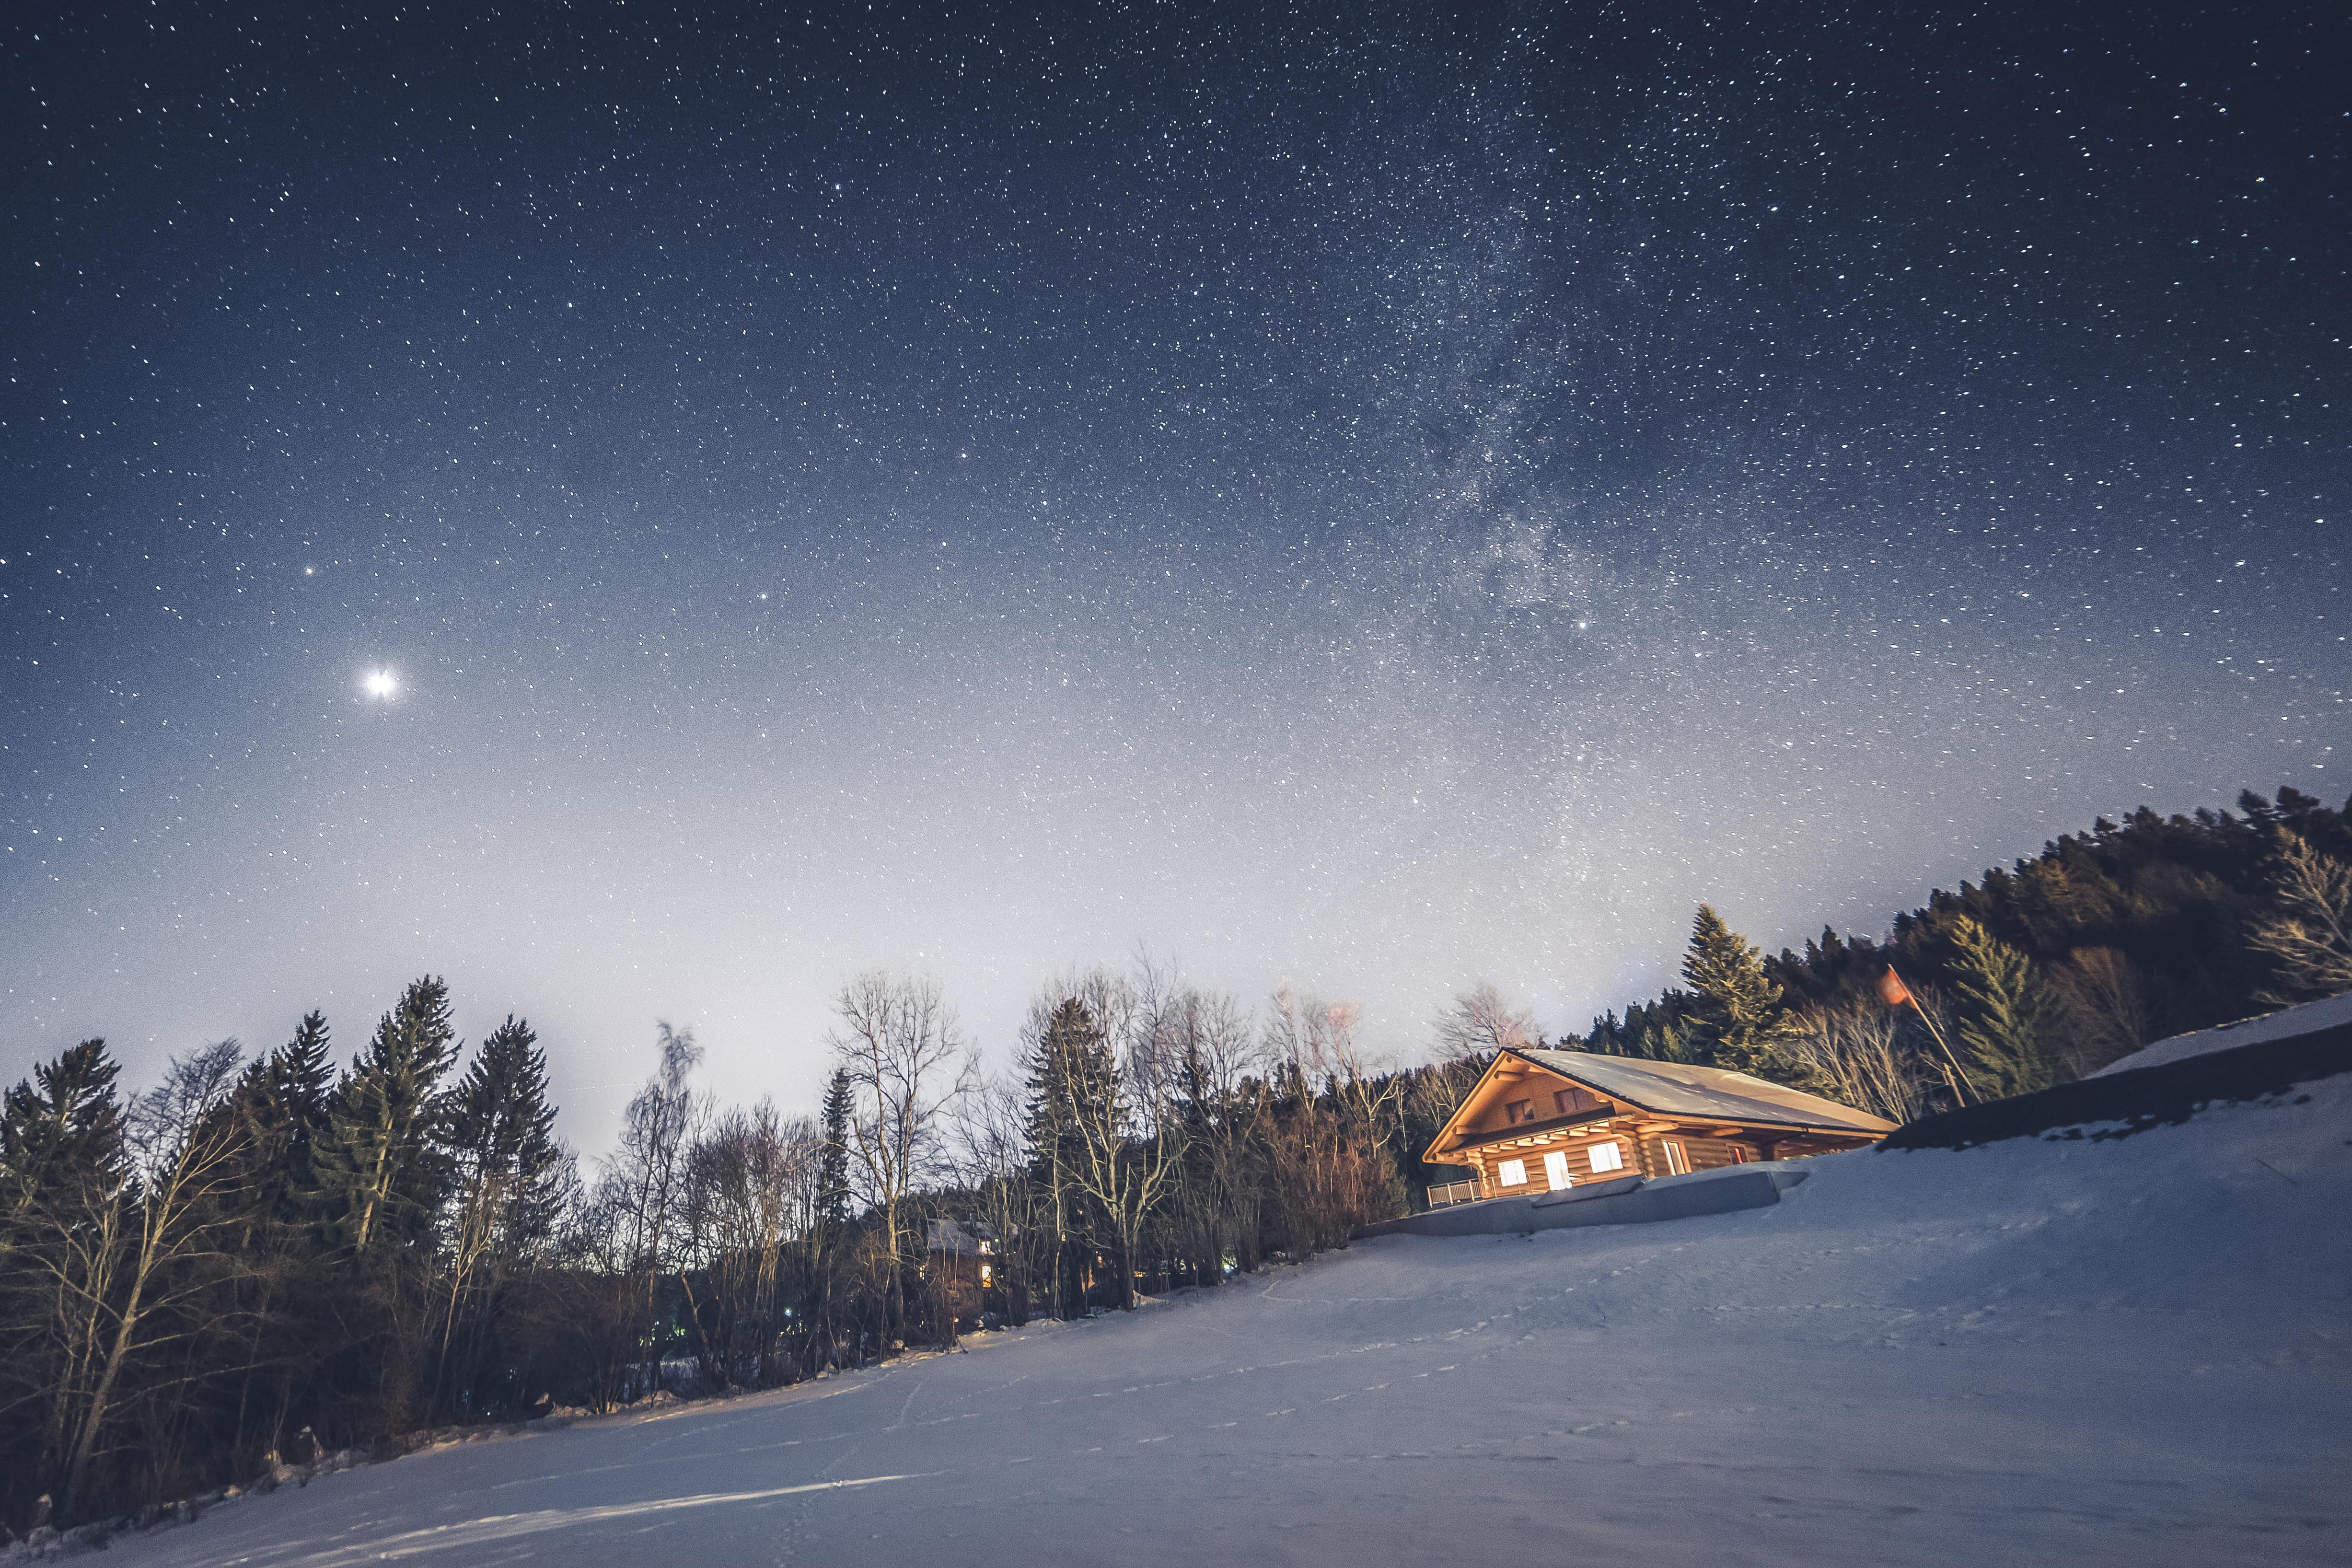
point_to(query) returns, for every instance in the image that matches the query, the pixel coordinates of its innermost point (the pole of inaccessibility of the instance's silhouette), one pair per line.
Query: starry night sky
(1372, 497)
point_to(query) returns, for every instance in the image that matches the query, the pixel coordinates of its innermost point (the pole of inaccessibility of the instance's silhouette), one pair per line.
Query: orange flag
(1891, 989)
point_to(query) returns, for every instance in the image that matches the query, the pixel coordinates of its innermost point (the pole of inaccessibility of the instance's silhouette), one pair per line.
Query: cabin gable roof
(1672, 1089)
(1659, 1089)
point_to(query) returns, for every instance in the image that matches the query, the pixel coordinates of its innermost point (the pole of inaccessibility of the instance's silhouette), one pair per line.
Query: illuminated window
(1512, 1172)
(1556, 1169)
(1607, 1157)
(1677, 1162)
(1519, 1111)
(987, 1275)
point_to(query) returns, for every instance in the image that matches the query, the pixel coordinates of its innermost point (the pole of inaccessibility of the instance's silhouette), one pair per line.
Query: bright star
(381, 684)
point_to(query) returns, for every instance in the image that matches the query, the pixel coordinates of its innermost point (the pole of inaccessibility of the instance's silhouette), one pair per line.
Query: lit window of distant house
(1572, 1100)
(1556, 1169)
(1512, 1172)
(1677, 1162)
(987, 1275)
(1607, 1157)
(1519, 1111)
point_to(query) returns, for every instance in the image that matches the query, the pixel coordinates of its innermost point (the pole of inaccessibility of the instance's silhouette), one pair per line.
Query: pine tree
(828, 1236)
(1738, 1023)
(1667, 1030)
(507, 1186)
(283, 1100)
(2011, 1021)
(1608, 1037)
(1072, 1068)
(502, 1131)
(380, 1170)
(1066, 1078)
(299, 1077)
(276, 1114)
(62, 1126)
(833, 1164)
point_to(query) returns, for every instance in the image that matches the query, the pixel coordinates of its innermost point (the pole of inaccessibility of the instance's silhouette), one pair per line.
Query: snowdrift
(2136, 1351)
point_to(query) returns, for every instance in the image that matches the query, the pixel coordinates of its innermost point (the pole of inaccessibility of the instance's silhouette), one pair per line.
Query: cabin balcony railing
(1452, 1193)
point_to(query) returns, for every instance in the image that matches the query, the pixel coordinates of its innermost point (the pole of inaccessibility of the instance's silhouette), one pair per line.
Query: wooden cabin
(1540, 1120)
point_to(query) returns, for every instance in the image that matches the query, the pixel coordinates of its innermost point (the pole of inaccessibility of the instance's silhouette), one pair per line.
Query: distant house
(965, 1260)
(1540, 1120)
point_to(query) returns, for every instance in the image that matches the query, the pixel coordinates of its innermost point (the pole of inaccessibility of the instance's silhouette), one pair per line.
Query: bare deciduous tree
(990, 1157)
(2309, 941)
(641, 1192)
(748, 1189)
(1222, 1090)
(897, 1040)
(123, 1251)
(1481, 1022)
(1132, 1136)
(1852, 1048)
(2108, 1012)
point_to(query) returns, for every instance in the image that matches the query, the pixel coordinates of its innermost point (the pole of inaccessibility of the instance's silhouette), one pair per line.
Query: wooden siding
(1488, 1163)
(1701, 1153)
(1644, 1154)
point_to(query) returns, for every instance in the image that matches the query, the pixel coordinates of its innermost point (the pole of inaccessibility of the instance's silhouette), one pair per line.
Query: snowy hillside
(2137, 1351)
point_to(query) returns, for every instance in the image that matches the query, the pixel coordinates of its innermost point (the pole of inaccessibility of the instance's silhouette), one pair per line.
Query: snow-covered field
(2136, 1352)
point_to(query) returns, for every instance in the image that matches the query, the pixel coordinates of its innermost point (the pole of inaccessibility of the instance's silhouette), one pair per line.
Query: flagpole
(1952, 1076)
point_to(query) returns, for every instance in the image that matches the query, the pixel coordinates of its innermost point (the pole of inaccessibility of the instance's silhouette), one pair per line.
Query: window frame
(1504, 1178)
(1616, 1152)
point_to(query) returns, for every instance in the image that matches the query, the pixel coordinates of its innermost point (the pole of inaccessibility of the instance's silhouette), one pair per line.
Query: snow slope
(2309, 1017)
(2131, 1351)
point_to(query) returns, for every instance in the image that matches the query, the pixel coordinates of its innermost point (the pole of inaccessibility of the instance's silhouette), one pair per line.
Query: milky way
(1379, 500)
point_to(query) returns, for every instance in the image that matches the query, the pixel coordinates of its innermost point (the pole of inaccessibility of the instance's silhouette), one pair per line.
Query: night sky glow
(646, 510)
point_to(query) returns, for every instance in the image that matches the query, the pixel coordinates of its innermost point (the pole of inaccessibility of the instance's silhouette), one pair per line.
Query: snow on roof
(1672, 1089)
(2285, 1025)
(962, 1237)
